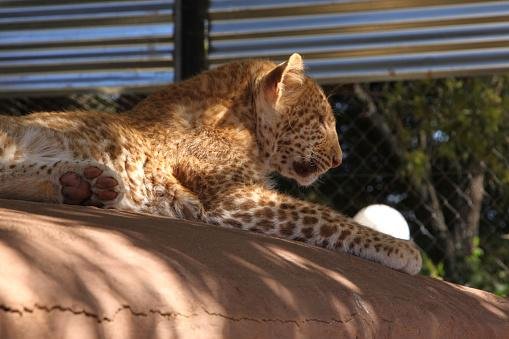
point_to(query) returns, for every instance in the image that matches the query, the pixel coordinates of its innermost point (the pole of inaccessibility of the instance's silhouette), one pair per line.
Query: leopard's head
(296, 128)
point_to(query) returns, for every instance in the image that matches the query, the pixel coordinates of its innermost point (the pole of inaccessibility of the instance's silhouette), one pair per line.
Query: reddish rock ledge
(76, 272)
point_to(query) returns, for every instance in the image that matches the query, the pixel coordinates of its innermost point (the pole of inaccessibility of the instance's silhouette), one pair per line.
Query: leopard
(204, 149)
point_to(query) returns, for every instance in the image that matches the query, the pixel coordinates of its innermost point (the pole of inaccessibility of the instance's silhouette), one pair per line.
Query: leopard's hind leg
(37, 164)
(24, 181)
(69, 182)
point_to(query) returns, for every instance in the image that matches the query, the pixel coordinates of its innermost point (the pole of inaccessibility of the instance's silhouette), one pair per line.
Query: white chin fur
(305, 181)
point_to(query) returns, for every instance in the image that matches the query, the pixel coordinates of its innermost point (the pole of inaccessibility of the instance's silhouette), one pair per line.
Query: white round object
(384, 219)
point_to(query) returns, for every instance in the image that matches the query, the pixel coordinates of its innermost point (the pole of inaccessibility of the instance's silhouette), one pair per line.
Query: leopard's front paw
(177, 202)
(402, 255)
(90, 185)
(187, 205)
(413, 259)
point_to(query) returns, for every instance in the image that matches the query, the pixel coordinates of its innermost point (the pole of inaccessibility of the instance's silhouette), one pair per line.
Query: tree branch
(378, 121)
(475, 192)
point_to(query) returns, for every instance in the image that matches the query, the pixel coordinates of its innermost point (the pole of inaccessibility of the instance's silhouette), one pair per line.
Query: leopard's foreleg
(258, 209)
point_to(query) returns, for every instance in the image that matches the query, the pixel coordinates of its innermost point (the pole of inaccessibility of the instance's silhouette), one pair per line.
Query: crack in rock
(167, 315)
(99, 319)
(283, 321)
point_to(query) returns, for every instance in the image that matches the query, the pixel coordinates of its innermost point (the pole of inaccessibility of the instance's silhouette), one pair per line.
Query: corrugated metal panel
(345, 40)
(48, 47)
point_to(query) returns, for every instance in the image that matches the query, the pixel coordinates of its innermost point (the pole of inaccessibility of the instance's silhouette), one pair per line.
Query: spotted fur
(201, 149)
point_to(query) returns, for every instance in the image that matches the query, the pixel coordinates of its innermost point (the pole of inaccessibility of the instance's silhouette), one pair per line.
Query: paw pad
(91, 188)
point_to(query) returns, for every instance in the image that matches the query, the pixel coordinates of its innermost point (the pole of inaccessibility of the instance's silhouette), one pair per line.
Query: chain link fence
(111, 103)
(375, 171)
(438, 154)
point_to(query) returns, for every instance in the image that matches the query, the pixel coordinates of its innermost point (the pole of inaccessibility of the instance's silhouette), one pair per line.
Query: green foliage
(416, 165)
(461, 120)
(486, 272)
(446, 132)
(431, 269)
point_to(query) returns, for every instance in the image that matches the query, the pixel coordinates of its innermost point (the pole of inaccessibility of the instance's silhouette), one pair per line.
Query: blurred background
(418, 87)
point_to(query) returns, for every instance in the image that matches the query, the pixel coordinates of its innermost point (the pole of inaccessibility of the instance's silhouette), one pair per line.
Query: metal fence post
(190, 38)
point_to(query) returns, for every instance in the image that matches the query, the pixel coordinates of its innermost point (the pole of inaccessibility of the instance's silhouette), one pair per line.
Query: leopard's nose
(337, 158)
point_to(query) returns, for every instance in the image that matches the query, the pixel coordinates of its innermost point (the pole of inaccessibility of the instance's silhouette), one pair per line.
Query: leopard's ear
(285, 77)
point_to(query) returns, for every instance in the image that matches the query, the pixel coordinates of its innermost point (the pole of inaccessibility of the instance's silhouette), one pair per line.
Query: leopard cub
(202, 149)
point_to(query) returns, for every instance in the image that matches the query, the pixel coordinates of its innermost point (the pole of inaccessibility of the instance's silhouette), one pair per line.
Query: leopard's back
(64, 136)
